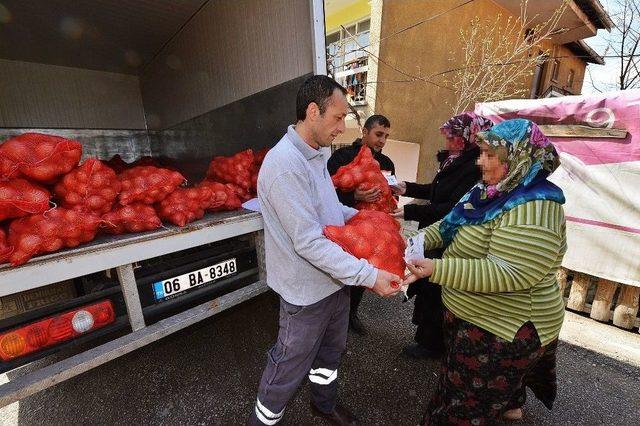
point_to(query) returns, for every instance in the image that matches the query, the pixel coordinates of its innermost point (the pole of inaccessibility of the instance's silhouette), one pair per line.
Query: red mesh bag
(237, 169)
(147, 184)
(184, 205)
(243, 194)
(5, 248)
(258, 157)
(222, 198)
(136, 217)
(39, 157)
(92, 186)
(374, 236)
(19, 198)
(117, 164)
(364, 173)
(49, 232)
(257, 163)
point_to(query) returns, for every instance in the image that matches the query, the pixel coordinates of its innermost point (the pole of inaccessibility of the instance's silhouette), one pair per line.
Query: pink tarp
(600, 178)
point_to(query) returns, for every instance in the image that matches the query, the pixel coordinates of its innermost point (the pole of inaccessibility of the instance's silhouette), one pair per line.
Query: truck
(177, 81)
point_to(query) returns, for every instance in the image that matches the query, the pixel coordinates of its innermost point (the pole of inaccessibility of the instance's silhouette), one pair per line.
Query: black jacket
(344, 156)
(445, 191)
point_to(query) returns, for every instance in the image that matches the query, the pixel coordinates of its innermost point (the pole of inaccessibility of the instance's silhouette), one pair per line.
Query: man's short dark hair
(377, 119)
(318, 89)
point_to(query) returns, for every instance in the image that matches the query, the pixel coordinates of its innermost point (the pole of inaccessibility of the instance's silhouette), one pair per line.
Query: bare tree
(624, 42)
(499, 56)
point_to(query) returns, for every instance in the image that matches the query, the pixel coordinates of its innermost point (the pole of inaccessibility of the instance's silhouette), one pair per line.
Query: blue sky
(604, 76)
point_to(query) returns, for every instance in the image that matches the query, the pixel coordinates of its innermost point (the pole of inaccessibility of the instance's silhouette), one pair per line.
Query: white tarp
(599, 176)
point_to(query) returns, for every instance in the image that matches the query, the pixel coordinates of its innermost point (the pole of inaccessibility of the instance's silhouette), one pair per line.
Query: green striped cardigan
(502, 273)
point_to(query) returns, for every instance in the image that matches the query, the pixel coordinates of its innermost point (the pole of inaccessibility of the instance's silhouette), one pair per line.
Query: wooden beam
(601, 306)
(578, 294)
(575, 130)
(624, 315)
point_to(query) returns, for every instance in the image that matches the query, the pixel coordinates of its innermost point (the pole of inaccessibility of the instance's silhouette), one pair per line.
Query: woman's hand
(400, 188)
(398, 213)
(422, 268)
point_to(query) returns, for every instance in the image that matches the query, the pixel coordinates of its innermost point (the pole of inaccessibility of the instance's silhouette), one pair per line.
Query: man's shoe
(339, 416)
(417, 351)
(356, 325)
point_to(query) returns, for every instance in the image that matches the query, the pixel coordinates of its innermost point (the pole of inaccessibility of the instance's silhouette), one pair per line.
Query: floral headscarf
(523, 149)
(529, 158)
(466, 126)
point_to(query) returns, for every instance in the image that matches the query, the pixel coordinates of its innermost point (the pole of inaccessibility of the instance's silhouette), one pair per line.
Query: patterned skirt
(484, 375)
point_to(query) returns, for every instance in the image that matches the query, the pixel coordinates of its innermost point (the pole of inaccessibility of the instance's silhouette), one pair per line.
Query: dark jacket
(344, 156)
(445, 191)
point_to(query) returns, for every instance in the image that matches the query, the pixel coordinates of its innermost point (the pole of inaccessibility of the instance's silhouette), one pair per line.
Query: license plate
(172, 286)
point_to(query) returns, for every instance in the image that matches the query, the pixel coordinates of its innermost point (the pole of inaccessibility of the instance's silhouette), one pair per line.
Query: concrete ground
(208, 374)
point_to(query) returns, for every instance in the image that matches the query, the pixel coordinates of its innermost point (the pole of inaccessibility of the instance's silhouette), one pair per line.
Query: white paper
(415, 248)
(252, 205)
(391, 179)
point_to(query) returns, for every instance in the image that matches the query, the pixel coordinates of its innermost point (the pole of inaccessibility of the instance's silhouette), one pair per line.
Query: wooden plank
(574, 130)
(601, 306)
(624, 315)
(578, 294)
(561, 277)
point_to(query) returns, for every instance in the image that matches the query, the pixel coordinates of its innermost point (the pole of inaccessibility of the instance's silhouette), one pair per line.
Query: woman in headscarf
(504, 242)
(457, 174)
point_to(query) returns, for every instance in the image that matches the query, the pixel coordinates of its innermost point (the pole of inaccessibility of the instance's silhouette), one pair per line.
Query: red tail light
(56, 329)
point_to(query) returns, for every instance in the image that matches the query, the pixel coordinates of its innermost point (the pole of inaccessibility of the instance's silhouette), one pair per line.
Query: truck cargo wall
(103, 144)
(227, 52)
(257, 121)
(37, 95)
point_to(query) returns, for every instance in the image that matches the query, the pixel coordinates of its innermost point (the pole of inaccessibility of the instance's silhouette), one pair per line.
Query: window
(555, 71)
(571, 78)
(347, 62)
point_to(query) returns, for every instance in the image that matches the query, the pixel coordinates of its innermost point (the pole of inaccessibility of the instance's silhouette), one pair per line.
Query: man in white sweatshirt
(311, 274)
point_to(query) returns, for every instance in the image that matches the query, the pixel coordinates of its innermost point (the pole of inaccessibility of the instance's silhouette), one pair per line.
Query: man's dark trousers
(311, 340)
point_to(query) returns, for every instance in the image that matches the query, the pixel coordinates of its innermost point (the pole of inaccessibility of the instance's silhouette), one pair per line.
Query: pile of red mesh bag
(5, 248)
(364, 173)
(92, 186)
(237, 169)
(374, 236)
(147, 184)
(136, 217)
(184, 205)
(242, 193)
(222, 198)
(19, 198)
(38, 157)
(49, 232)
(117, 164)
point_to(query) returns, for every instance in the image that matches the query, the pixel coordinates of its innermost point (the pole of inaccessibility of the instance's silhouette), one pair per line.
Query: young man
(374, 135)
(309, 272)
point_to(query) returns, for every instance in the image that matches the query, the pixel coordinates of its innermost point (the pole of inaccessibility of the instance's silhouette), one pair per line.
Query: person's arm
(418, 190)
(519, 257)
(432, 212)
(432, 236)
(290, 197)
(348, 212)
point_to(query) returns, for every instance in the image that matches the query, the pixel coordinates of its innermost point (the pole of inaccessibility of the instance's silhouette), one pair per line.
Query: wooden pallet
(602, 299)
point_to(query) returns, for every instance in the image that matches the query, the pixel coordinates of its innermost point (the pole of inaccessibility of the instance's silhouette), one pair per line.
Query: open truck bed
(182, 82)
